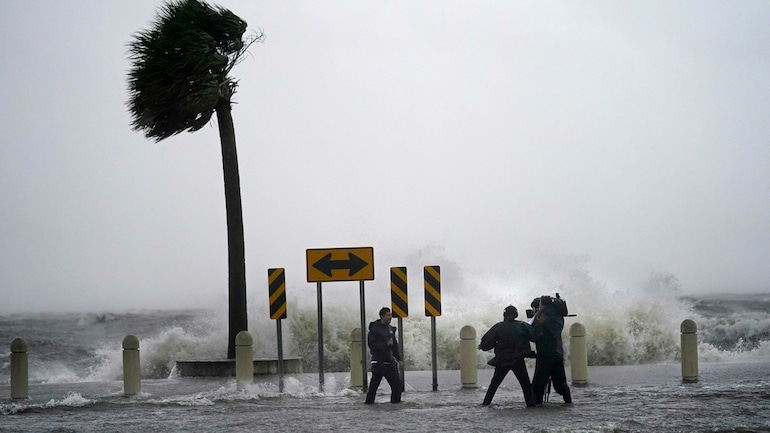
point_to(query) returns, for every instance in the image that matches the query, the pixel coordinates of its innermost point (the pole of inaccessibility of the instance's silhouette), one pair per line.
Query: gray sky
(635, 135)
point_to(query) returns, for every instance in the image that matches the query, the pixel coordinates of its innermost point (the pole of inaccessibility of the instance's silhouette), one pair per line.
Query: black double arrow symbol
(353, 264)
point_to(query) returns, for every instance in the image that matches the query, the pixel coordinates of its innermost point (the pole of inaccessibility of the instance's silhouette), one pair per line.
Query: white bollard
(356, 373)
(19, 369)
(132, 370)
(689, 351)
(578, 355)
(469, 369)
(244, 359)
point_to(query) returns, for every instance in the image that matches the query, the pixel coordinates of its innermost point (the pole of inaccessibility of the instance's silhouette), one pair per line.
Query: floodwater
(729, 397)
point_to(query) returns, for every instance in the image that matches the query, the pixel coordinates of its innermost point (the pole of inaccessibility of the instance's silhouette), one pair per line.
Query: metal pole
(280, 354)
(320, 338)
(433, 350)
(401, 351)
(363, 333)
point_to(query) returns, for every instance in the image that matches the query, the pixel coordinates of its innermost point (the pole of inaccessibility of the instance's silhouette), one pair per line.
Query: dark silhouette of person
(548, 324)
(510, 339)
(385, 357)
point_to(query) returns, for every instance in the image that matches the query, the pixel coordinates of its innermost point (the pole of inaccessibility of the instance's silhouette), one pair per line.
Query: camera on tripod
(559, 304)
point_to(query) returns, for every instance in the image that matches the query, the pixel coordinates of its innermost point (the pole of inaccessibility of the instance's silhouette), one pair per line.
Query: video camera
(559, 303)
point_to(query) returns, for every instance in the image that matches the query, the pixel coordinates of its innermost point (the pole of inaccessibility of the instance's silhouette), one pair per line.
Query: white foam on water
(73, 399)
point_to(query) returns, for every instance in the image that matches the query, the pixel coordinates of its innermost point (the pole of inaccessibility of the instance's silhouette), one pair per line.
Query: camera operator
(549, 323)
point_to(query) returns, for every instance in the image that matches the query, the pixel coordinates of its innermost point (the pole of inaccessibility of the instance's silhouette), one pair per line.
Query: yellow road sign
(432, 290)
(276, 286)
(340, 264)
(399, 299)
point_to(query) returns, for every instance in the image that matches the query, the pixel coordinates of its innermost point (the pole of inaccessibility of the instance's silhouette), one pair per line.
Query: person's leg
(497, 379)
(559, 380)
(520, 370)
(377, 373)
(540, 378)
(394, 380)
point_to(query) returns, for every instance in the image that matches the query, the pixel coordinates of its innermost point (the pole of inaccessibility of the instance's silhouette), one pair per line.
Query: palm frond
(180, 67)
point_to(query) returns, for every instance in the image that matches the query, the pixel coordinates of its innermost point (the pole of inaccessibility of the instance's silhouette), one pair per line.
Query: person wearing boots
(385, 357)
(548, 324)
(510, 339)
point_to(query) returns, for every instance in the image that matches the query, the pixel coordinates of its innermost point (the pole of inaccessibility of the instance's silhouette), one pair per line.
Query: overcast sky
(633, 135)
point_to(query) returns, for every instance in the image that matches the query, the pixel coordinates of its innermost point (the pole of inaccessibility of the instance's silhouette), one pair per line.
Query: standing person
(510, 339)
(385, 356)
(548, 324)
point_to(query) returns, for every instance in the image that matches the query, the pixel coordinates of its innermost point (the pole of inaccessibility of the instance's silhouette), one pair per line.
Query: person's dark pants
(550, 367)
(388, 370)
(520, 370)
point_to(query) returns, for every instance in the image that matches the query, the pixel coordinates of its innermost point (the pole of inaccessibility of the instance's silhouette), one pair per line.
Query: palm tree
(178, 80)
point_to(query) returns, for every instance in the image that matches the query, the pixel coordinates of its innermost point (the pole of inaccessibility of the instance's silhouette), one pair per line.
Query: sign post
(433, 309)
(320, 301)
(399, 305)
(365, 384)
(339, 264)
(276, 282)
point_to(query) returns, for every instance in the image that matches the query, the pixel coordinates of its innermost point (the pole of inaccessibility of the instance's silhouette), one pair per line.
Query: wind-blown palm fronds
(181, 66)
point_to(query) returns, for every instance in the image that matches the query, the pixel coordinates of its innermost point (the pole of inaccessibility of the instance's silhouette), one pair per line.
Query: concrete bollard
(689, 351)
(132, 369)
(469, 369)
(19, 369)
(356, 375)
(578, 355)
(244, 359)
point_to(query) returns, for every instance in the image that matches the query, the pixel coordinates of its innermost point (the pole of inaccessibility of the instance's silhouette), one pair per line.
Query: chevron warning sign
(276, 281)
(399, 300)
(432, 290)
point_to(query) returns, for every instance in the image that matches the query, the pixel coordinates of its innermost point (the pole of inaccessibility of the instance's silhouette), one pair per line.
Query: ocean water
(634, 372)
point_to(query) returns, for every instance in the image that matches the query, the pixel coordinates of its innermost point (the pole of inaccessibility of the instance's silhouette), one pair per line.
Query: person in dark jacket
(510, 339)
(548, 324)
(385, 357)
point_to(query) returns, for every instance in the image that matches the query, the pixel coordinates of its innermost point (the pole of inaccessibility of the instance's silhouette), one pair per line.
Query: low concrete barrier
(689, 351)
(19, 369)
(578, 355)
(244, 359)
(226, 367)
(356, 374)
(469, 369)
(132, 370)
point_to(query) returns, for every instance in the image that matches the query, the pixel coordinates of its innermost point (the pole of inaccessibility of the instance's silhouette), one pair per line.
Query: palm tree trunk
(236, 258)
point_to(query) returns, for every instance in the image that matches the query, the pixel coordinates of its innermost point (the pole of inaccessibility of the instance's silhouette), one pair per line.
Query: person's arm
(530, 332)
(538, 324)
(396, 348)
(489, 339)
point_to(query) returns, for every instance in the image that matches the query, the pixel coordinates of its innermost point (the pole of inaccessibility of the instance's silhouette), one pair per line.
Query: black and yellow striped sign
(432, 291)
(276, 281)
(399, 300)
